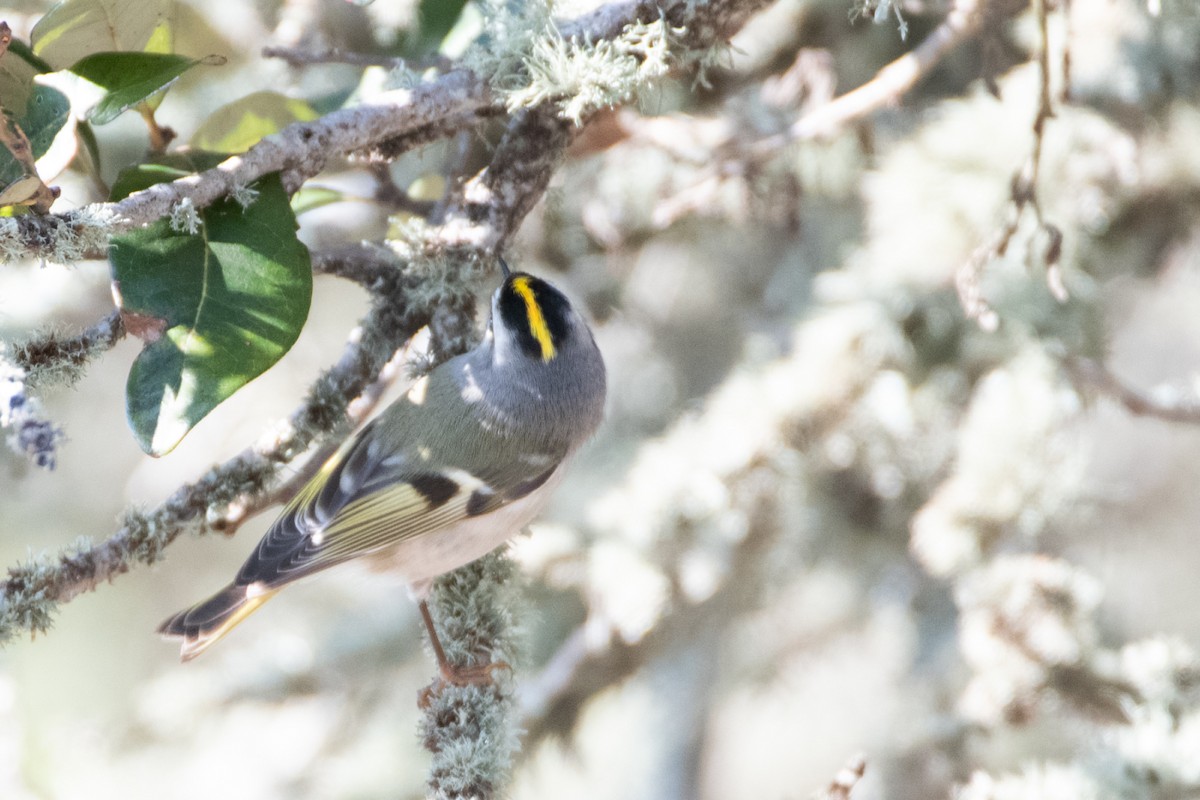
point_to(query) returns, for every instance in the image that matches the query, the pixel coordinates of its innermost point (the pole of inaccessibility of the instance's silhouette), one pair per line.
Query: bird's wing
(364, 500)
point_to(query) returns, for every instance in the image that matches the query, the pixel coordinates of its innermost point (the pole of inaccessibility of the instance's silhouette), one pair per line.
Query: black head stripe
(536, 313)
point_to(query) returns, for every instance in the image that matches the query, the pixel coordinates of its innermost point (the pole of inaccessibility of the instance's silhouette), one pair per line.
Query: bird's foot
(455, 675)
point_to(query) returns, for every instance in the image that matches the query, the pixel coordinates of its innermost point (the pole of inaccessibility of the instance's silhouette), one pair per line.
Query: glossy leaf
(215, 309)
(435, 19)
(26, 54)
(26, 137)
(169, 167)
(310, 198)
(74, 29)
(238, 126)
(45, 116)
(16, 80)
(128, 78)
(42, 112)
(89, 154)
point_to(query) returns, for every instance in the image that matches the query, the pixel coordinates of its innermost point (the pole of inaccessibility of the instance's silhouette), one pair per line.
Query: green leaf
(44, 115)
(436, 18)
(39, 114)
(25, 53)
(128, 78)
(89, 160)
(313, 197)
(169, 167)
(216, 309)
(77, 28)
(238, 126)
(16, 80)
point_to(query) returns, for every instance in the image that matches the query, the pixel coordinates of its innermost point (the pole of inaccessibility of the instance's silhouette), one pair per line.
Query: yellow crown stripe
(537, 322)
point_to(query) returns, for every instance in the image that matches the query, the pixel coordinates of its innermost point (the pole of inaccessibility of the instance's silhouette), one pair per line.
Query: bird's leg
(452, 674)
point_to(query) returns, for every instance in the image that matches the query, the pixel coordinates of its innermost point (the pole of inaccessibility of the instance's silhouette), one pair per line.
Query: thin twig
(890, 83)
(303, 149)
(48, 352)
(372, 268)
(389, 194)
(299, 56)
(1023, 194)
(363, 264)
(735, 159)
(1096, 375)
(31, 590)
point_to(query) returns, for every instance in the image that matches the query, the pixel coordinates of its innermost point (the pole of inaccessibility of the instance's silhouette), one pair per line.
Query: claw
(452, 674)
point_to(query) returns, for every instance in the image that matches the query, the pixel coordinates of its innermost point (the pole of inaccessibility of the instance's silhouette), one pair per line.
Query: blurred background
(829, 514)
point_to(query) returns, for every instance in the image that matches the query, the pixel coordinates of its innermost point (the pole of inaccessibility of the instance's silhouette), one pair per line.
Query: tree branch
(299, 152)
(303, 149)
(480, 218)
(1176, 408)
(42, 356)
(300, 56)
(1024, 194)
(897, 78)
(477, 219)
(32, 591)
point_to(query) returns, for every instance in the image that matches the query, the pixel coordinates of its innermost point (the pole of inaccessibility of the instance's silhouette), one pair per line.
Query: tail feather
(205, 623)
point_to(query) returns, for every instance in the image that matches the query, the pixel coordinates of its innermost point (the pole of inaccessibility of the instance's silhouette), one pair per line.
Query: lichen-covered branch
(470, 730)
(31, 592)
(481, 219)
(53, 358)
(450, 102)
(45, 360)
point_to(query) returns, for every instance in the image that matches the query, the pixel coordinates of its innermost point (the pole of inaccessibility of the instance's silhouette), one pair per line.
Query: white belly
(423, 558)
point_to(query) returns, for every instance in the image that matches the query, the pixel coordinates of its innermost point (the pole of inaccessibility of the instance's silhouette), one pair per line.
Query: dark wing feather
(366, 498)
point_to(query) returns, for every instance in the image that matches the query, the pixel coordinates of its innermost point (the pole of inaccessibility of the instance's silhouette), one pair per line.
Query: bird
(450, 471)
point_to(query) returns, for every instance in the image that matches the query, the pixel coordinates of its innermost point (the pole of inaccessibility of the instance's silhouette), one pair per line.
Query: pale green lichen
(582, 77)
(64, 368)
(12, 248)
(184, 217)
(509, 32)
(244, 196)
(58, 239)
(471, 730)
(447, 276)
(55, 357)
(24, 604)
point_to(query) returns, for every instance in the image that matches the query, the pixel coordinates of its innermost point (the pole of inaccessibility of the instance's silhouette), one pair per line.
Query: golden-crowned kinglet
(447, 473)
